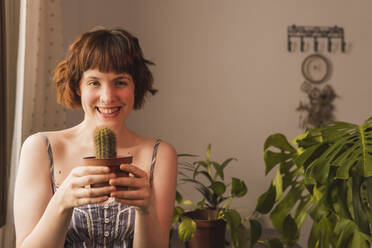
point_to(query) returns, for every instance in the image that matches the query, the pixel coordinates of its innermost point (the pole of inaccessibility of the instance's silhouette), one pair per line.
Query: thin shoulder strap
(153, 160)
(51, 163)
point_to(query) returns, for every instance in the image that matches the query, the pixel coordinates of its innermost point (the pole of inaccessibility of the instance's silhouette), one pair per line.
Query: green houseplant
(325, 174)
(209, 179)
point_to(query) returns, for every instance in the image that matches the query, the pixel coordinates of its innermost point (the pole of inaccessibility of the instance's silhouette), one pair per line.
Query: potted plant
(205, 225)
(326, 174)
(105, 143)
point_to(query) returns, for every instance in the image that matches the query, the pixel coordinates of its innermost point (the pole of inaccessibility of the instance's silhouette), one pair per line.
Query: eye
(121, 83)
(93, 83)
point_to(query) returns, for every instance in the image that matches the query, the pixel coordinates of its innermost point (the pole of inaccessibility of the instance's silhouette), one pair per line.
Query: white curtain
(39, 50)
(43, 51)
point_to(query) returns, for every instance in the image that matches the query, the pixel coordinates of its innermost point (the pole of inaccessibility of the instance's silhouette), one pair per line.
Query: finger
(92, 179)
(94, 192)
(131, 194)
(137, 203)
(131, 182)
(90, 170)
(137, 172)
(91, 200)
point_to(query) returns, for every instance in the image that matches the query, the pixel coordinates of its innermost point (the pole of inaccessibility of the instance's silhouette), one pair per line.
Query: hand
(139, 192)
(73, 190)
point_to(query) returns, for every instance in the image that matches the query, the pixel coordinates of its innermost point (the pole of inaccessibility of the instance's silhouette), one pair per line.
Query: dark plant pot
(113, 163)
(210, 233)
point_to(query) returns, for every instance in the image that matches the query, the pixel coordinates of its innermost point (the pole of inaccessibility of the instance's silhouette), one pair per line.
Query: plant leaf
(186, 155)
(283, 208)
(238, 188)
(177, 212)
(218, 169)
(233, 220)
(200, 204)
(188, 203)
(223, 165)
(204, 173)
(186, 229)
(179, 197)
(266, 201)
(278, 184)
(208, 155)
(290, 230)
(275, 243)
(279, 141)
(218, 188)
(256, 231)
(273, 158)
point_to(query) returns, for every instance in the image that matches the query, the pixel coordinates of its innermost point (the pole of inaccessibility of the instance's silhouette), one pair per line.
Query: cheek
(87, 97)
(128, 96)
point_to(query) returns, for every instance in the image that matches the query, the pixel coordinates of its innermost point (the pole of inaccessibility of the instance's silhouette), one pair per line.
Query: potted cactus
(105, 143)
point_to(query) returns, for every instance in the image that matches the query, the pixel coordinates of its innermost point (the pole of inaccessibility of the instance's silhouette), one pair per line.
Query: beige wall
(224, 73)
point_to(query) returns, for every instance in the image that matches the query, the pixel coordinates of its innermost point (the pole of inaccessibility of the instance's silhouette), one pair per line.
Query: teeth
(108, 110)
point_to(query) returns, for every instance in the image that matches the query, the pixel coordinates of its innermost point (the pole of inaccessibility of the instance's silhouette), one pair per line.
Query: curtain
(11, 25)
(35, 110)
(43, 52)
(3, 147)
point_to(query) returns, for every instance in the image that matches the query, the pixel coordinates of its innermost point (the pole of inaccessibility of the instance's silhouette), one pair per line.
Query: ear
(78, 92)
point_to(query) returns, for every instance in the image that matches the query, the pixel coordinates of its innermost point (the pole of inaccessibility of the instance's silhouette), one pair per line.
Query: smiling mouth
(108, 111)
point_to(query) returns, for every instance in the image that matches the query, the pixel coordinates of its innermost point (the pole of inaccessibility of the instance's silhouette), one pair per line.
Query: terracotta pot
(210, 233)
(113, 163)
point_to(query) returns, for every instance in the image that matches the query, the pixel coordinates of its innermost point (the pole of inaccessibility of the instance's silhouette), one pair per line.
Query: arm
(33, 191)
(155, 205)
(163, 195)
(41, 218)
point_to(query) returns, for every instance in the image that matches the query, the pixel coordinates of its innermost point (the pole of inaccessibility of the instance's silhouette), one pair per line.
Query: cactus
(105, 142)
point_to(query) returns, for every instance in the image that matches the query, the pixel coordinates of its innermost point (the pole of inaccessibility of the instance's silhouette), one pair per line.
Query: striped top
(101, 225)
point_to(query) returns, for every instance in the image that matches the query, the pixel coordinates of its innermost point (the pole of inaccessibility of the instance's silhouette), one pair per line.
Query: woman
(106, 74)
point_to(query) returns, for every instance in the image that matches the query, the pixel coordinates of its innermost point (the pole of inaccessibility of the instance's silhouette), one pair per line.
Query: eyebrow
(116, 78)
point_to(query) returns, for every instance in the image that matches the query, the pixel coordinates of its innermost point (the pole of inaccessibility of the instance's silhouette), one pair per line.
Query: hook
(343, 44)
(302, 44)
(329, 44)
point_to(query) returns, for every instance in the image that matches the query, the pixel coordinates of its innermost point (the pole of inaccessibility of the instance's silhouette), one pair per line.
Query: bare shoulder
(164, 148)
(166, 158)
(167, 150)
(35, 146)
(34, 159)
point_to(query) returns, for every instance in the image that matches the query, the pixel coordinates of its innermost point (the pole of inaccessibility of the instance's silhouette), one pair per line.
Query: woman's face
(106, 98)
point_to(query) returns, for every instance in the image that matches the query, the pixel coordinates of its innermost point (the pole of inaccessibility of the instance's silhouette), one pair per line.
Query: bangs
(107, 53)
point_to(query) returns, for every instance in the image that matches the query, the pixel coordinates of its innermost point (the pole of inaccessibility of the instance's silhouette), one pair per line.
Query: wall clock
(315, 68)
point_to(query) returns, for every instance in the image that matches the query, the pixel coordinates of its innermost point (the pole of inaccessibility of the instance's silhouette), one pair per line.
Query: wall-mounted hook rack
(316, 32)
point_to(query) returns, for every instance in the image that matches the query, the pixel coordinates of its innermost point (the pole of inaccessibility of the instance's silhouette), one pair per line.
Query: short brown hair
(108, 50)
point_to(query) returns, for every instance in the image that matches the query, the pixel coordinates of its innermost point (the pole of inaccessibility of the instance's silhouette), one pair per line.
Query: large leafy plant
(325, 174)
(208, 178)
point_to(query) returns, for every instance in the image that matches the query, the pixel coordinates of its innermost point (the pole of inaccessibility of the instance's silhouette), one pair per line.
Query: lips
(108, 112)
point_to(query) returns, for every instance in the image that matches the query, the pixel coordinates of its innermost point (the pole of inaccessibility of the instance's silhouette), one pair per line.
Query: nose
(107, 95)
